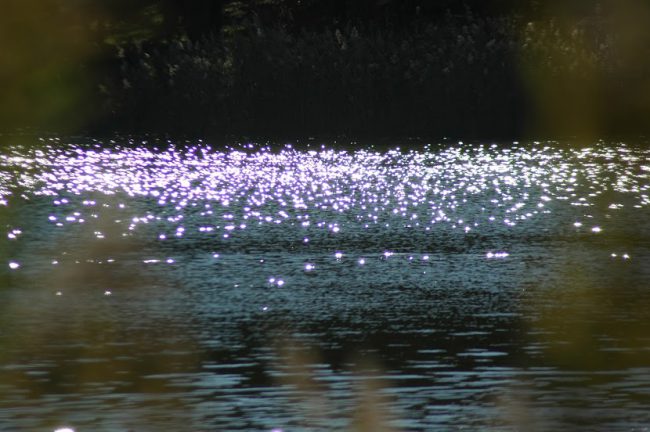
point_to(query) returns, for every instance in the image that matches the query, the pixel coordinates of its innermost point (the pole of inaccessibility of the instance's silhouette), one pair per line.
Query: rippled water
(445, 287)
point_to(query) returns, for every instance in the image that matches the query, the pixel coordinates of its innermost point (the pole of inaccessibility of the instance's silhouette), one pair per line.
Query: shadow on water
(71, 354)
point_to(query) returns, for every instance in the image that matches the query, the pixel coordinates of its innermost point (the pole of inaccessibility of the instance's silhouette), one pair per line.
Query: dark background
(364, 68)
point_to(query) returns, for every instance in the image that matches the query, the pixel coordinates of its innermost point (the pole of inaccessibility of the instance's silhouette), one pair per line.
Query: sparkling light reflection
(325, 196)
(298, 218)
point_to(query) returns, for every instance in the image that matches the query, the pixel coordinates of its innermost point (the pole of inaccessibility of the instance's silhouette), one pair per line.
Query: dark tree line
(201, 18)
(328, 65)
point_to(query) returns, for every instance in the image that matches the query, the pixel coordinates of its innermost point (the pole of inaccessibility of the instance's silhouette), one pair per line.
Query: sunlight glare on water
(176, 285)
(462, 187)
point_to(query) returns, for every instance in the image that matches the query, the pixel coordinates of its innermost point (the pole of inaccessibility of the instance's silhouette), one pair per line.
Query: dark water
(448, 287)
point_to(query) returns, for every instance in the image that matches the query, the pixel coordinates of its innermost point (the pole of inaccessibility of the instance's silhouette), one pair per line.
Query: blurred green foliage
(589, 75)
(42, 44)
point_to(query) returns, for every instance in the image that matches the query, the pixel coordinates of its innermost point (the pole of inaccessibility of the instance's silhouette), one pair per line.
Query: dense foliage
(463, 75)
(484, 68)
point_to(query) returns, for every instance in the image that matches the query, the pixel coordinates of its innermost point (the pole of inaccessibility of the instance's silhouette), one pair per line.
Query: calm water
(447, 287)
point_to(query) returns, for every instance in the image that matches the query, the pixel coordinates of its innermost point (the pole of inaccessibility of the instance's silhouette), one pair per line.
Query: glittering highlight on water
(430, 257)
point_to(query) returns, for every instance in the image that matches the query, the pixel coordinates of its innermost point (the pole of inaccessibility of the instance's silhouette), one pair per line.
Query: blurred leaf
(43, 45)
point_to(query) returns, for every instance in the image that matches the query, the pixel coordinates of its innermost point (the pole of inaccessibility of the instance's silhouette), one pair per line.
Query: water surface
(443, 287)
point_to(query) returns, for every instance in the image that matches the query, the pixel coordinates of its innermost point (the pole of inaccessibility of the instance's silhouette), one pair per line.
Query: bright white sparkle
(234, 195)
(497, 255)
